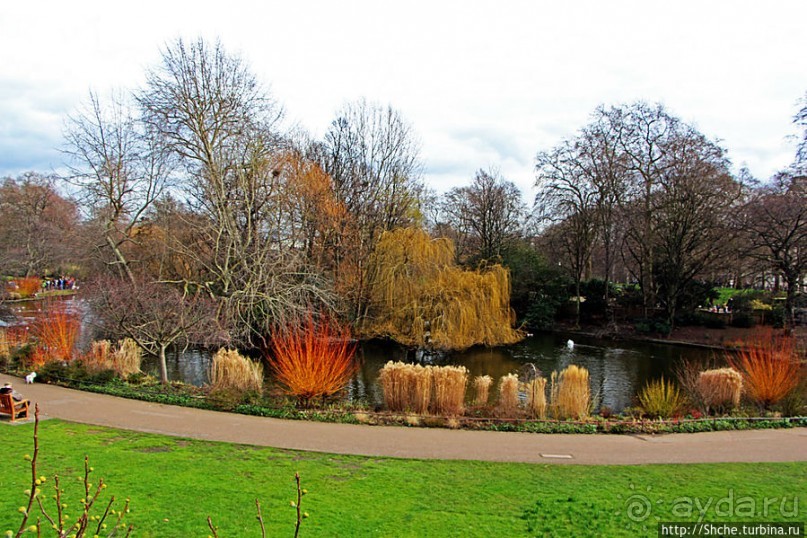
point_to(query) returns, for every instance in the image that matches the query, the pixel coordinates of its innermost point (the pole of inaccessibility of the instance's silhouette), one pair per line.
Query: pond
(618, 370)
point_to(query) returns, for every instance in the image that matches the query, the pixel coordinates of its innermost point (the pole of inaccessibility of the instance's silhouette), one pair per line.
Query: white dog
(30, 377)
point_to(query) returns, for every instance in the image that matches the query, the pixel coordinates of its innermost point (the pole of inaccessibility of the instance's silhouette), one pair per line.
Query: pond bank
(421, 443)
(696, 337)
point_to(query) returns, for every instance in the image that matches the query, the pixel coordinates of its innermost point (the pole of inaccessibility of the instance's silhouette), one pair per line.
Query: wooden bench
(9, 406)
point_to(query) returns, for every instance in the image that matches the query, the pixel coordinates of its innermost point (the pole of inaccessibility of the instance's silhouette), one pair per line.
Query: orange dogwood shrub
(769, 365)
(28, 286)
(56, 331)
(314, 360)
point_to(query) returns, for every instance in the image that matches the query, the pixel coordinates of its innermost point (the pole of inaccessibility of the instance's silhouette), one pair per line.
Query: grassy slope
(174, 484)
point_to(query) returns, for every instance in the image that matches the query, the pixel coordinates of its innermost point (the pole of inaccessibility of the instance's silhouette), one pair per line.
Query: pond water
(618, 370)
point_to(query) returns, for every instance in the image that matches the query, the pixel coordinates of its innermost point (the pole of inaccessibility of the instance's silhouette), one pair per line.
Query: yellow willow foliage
(413, 280)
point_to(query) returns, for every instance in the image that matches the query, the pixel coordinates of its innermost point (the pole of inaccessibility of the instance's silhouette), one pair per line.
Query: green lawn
(174, 484)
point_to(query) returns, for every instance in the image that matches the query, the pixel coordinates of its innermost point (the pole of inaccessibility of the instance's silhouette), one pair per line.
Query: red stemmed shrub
(315, 360)
(28, 286)
(56, 331)
(769, 365)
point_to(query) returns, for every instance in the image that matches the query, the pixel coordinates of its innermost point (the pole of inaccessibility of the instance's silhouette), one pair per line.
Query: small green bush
(652, 326)
(743, 320)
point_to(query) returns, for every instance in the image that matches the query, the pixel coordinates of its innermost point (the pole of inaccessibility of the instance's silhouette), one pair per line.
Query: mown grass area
(174, 484)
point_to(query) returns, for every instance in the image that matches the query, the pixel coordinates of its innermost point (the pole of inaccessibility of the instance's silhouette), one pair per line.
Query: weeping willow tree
(418, 296)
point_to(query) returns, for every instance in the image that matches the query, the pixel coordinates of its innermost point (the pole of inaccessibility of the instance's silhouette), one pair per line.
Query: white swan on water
(570, 344)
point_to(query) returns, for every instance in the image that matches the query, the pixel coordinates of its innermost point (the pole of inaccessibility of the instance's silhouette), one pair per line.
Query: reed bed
(232, 371)
(450, 383)
(536, 397)
(423, 389)
(5, 344)
(421, 382)
(720, 388)
(508, 394)
(98, 357)
(395, 379)
(124, 360)
(570, 393)
(127, 358)
(482, 385)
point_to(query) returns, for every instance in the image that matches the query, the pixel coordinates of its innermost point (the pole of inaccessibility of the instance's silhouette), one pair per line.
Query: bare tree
(121, 170)
(223, 127)
(602, 164)
(775, 220)
(155, 315)
(373, 158)
(800, 119)
(37, 226)
(690, 212)
(487, 216)
(568, 201)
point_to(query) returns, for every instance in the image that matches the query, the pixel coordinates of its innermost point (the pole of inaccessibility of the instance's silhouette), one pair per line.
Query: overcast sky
(484, 84)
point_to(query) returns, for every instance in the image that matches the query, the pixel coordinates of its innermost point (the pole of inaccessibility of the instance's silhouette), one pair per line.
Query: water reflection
(617, 370)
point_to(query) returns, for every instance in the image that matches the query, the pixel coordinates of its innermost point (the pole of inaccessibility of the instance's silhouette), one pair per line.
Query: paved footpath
(421, 443)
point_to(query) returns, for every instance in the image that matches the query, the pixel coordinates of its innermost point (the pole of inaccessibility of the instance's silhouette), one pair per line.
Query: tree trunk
(163, 365)
(792, 281)
(121, 258)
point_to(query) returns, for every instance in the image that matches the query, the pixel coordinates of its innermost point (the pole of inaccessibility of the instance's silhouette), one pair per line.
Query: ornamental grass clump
(482, 385)
(123, 360)
(421, 381)
(315, 360)
(661, 399)
(423, 389)
(536, 397)
(450, 383)
(5, 344)
(98, 357)
(769, 367)
(720, 389)
(231, 371)
(570, 393)
(127, 358)
(508, 394)
(394, 379)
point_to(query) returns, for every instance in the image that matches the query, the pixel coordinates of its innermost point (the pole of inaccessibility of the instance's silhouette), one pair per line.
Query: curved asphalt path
(421, 443)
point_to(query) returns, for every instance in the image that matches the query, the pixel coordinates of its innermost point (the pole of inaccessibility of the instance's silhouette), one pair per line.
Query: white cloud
(484, 83)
